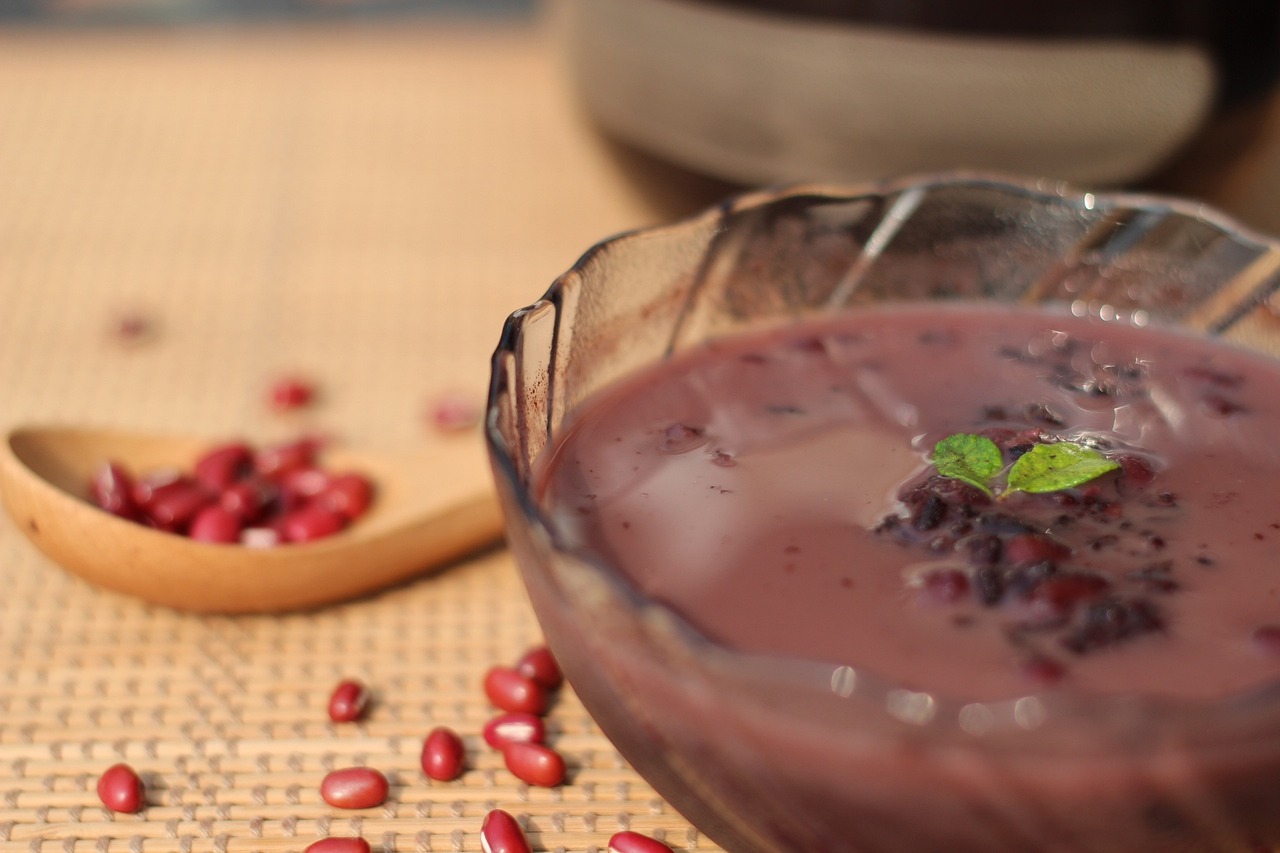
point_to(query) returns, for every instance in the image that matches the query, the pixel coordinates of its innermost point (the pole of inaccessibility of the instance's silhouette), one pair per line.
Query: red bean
(339, 845)
(540, 666)
(224, 465)
(291, 392)
(510, 691)
(111, 488)
(534, 763)
(275, 460)
(120, 788)
(500, 833)
(443, 754)
(146, 486)
(354, 788)
(310, 523)
(214, 524)
(300, 484)
(633, 842)
(348, 701)
(348, 494)
(173, 506)
(133, 328)
(249, 498)
(515, 727)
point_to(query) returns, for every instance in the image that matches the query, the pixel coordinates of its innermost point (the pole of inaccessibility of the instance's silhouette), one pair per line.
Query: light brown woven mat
(364, 206)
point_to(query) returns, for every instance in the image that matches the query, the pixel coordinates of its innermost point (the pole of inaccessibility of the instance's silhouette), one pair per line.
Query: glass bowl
(767, 755)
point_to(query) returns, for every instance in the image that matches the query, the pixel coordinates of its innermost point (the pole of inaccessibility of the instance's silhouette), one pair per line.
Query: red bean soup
(785, 492)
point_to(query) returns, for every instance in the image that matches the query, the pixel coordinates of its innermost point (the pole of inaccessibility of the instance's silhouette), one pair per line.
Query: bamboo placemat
(364, 206)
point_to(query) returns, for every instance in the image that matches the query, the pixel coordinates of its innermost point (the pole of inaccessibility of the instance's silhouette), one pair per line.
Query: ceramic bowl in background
(768, 91)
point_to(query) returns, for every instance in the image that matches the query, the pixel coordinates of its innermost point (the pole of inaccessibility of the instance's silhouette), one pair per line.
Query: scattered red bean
(455, 411)
(443, 755)
(540, 666)
(339, 845)
(214, 524)
(534, 763)
(258, 497)
(633, 842)
(348, 701)
(510, 691)
(500, 833)
(354, 788)
(120, 788)
(133, 328)
(515, 727)
(292, 392)
(1267, 638)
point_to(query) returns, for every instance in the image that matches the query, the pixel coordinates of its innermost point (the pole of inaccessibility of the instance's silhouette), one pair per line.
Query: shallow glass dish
(768, 755)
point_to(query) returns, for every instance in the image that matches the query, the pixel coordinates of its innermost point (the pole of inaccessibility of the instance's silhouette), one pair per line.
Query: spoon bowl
(430, 509)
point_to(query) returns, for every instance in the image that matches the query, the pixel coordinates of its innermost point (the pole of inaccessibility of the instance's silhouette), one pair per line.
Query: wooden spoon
(429, 510)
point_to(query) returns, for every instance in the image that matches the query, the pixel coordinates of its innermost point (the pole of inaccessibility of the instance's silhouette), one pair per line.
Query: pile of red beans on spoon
(239, 493)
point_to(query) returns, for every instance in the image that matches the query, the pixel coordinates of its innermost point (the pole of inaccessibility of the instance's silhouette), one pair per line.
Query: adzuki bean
(120, 789)
(534, 763)
(540, 666)
(348, 701)
(354, 788)
(224, 466)
(500, 833)
(214, 524)
(111, 488)
(236, 490)
(633, 842)
(443, 754)
(291, 392)
(339, 845)
(511, 691)
(514, 727)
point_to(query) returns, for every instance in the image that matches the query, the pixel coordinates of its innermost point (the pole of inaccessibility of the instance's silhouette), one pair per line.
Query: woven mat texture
(362, 205)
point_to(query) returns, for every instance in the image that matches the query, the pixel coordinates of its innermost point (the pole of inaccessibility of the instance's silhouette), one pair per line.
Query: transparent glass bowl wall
(771, 755)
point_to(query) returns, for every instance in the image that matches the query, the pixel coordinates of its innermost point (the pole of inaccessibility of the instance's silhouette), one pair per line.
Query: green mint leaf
(973, 459)
(1061, 465)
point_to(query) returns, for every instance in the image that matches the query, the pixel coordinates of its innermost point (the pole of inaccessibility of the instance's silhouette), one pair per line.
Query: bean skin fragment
(120, 789)
(354, 788)
(500, 833)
